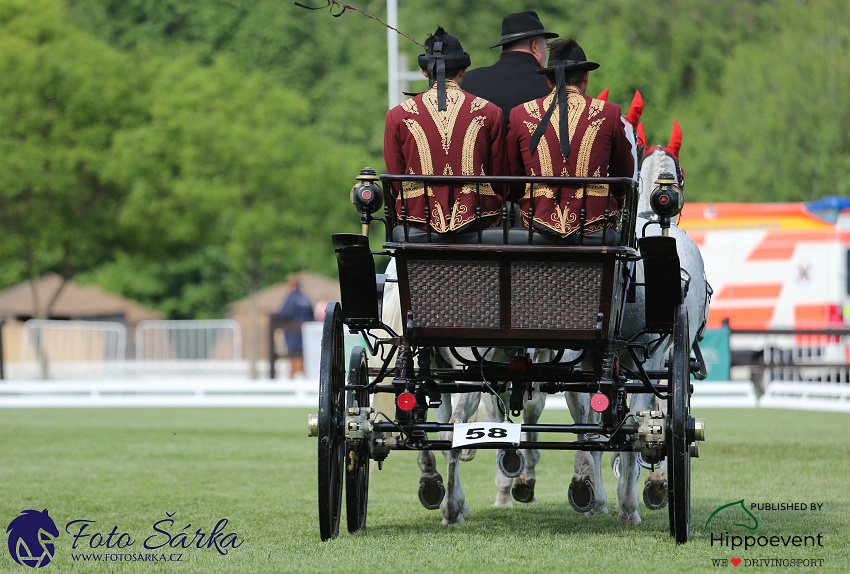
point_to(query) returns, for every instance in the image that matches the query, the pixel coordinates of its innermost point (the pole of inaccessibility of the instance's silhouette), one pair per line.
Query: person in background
(296, 309)
(514, 80)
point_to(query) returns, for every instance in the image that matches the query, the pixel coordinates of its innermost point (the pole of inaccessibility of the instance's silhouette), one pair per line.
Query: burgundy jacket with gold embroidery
(598, 148)
(468, 138)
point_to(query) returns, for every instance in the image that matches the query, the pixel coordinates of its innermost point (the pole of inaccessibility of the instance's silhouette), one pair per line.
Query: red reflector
(367, 194)
(663, 200)
(406, 401)
(599, 402)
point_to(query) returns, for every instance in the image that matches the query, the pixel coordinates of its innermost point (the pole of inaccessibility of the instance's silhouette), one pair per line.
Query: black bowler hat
(572, 59)
(522, 25)
(442, 52)
(564, 56)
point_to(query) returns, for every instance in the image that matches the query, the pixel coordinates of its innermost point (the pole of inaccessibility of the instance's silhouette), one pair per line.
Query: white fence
(801, 372)
(70, 349)
(212, 347)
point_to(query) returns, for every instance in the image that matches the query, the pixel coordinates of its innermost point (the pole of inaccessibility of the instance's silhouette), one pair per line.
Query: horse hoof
(624, 518)
(511, 463)
(431, 491)
(523, 491)
(581, 495)
(655, 494)
(467, 454)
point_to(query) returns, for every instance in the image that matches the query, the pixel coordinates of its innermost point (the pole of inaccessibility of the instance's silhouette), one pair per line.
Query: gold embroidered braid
(595, 108)
(467, 166)
(583, 159)
(427, 167)
(445, 121)
(477, 104)
(410, 106)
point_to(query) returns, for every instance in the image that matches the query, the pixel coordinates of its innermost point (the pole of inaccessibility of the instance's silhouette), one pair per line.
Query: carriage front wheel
(331, 422)
(678, 444)
(357, 453)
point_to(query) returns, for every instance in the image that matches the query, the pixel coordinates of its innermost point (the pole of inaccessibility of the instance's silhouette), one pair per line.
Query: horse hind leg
(523, 488)
(454, 505)
(586, 491)
(503, 483)
(627, 497)
(431, 487)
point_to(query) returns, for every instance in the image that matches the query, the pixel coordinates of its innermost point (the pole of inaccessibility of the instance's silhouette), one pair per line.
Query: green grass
(126, 468)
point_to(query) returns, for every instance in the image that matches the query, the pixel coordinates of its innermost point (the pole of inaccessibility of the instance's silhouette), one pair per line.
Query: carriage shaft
(630, 428)
(501, 387)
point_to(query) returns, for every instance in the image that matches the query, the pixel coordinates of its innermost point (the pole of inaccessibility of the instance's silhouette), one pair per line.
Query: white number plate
(476, 433)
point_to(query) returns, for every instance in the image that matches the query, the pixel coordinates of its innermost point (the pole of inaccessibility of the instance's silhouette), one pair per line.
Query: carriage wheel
(678, 448)
(331, 422)
(357, 455)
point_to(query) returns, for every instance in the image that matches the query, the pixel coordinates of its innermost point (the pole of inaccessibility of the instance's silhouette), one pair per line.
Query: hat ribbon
(563, 124)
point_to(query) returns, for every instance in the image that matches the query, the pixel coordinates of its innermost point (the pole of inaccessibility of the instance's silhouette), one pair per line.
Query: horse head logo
(746, 520)
(31, 538)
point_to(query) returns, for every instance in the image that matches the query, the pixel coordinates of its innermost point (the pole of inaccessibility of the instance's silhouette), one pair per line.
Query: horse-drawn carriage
(611, 306)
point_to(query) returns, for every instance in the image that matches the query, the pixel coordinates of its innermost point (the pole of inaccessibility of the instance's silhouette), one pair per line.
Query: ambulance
(775, 265)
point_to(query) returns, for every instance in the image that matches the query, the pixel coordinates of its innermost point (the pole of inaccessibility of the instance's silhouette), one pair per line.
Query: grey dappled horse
(658, 160)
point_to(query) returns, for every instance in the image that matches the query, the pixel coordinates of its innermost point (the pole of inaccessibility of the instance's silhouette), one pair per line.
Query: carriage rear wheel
(678, 447)
(357, 454)
(331, 422)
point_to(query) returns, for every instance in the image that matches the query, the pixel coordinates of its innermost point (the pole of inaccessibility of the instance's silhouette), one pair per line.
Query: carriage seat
(495, 236)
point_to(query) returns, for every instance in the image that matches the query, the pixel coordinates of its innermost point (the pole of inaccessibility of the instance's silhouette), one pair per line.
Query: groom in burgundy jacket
(445, 131)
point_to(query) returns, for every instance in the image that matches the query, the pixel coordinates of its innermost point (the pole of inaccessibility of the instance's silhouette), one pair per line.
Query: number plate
(476, 433)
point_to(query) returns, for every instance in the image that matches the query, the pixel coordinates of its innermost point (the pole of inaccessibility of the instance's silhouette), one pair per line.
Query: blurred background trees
(185, 153)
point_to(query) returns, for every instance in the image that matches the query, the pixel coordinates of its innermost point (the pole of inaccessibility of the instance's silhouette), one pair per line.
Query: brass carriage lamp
(666, 200)
(367, 196)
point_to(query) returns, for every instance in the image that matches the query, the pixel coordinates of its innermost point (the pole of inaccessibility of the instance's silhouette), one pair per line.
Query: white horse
(454, 408)
(658, 160)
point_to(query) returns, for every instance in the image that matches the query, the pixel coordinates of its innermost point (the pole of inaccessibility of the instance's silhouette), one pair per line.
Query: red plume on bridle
(603, 96)
(675, 140)
(641, 134)
(636, 109)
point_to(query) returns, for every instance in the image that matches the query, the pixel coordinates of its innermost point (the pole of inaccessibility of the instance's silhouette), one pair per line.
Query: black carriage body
(507, 295)
(501, 288)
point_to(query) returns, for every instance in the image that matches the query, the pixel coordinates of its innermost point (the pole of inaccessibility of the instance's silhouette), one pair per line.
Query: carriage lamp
(666, 200)
(367, 196)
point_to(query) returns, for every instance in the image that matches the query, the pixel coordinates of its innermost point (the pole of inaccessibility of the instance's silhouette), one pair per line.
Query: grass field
(125, 469)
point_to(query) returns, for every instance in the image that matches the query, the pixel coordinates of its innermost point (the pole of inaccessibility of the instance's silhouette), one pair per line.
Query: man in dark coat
(445, 131)
(514, 80)
(569, 134)
(296, 309)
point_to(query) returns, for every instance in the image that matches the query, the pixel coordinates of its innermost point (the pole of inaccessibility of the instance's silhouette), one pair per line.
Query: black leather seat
(496, 236)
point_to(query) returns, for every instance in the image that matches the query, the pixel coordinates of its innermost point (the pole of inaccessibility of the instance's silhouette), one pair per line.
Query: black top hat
(522, 25)
(442, 52)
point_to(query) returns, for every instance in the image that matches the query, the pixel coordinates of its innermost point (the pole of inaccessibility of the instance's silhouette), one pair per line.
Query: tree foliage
(159, 143)
(57, 210)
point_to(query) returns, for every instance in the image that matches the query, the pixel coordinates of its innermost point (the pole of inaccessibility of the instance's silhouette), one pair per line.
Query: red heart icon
(735, 561)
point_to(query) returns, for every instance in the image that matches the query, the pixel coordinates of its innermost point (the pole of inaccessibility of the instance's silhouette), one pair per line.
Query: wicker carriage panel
(454, 293)
(562, 295)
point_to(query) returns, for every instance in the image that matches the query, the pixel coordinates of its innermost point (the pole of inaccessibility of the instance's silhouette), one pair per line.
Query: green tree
(63, 95)
(229, 160)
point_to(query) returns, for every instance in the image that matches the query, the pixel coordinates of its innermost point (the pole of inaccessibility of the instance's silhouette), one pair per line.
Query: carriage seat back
(498, 236)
